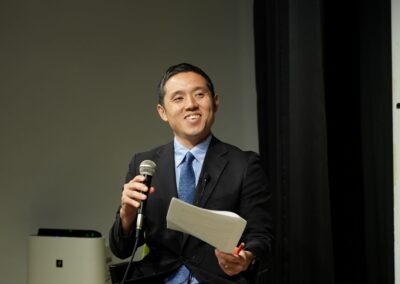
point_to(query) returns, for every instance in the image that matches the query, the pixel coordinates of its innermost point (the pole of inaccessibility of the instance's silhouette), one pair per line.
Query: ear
(161, 112)
(216, 103)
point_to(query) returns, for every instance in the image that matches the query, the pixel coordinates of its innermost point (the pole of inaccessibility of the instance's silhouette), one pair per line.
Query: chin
(199, 137)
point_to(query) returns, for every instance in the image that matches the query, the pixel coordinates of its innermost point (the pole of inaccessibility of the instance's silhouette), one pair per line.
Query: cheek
(171, 112)
(211, 111)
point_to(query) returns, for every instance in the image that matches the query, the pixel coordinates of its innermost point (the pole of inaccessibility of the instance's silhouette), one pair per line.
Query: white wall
(396, 130)
(77, 99)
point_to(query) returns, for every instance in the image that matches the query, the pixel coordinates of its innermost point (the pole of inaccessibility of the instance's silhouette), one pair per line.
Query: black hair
(181, 68)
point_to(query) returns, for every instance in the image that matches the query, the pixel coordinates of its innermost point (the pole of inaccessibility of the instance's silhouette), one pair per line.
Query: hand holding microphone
(133, 203)
(134, 195)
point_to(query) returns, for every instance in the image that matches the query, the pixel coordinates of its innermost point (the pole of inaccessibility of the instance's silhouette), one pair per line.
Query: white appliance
(67, 260)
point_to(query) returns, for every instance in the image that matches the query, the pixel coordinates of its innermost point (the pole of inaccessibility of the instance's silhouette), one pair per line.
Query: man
(227, 179)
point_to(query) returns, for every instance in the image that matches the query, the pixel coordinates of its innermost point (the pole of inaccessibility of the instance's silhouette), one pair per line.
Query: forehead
(185, 81)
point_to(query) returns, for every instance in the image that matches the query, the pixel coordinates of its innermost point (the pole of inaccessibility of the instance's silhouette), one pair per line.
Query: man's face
(189, 108)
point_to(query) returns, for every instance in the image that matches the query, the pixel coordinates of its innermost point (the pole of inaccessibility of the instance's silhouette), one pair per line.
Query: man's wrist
(126, 221)
(249, 259)
(251, 265)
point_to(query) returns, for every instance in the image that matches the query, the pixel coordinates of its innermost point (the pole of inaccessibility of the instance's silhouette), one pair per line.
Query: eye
(177, 99)
(200, 95)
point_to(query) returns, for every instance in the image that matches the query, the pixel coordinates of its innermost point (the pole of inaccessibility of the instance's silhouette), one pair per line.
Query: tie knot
(189, 157)
(187, 179)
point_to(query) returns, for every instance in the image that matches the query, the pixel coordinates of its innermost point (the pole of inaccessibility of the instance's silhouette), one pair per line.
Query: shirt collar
(199, 151)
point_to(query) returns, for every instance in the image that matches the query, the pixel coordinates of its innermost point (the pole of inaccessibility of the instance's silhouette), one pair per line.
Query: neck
(190, 143)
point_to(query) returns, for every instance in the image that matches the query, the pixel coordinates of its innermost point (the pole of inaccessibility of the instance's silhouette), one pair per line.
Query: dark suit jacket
(231, 180)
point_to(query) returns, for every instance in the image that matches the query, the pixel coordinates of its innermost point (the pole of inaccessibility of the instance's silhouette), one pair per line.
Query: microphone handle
(143, 203)
(142, 208)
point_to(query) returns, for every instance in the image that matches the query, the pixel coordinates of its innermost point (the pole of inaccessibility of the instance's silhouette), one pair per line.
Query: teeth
(193, 116)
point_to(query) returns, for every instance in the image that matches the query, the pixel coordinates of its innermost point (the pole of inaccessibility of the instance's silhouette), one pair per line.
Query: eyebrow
(195, 89)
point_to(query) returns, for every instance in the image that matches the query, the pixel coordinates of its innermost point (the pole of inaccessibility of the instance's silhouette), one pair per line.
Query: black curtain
(323, 76)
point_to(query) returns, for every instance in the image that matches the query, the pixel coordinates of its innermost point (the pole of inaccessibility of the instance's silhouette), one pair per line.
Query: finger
(230, 270)
(132, 197)
(136, 186)
(136, 194)
(229, 263)
(228, 257)
(133, 186)
(223, 260)
(127, 201)
(152, 190)
(239, 249)
(138, 178)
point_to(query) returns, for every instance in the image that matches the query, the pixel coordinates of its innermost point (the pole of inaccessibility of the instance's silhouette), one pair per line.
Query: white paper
(221, 229)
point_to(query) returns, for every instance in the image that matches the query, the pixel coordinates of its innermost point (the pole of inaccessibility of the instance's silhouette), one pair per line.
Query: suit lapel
(213, 166)
(166, 184)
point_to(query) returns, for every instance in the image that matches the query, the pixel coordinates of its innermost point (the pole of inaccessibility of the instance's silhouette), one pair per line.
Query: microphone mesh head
(147, 167)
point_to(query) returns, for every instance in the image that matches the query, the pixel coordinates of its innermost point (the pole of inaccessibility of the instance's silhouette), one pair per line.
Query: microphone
(147, 168)
(206, 178)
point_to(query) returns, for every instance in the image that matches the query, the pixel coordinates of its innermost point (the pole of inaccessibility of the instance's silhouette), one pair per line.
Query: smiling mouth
(192, 116)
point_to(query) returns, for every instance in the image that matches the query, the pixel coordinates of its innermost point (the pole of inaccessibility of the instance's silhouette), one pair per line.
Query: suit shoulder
(237, 153)
(236, 149)
(154, 151)
(153, 155)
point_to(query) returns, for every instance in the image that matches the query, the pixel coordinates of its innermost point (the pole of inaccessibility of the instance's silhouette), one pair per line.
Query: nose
(191, 102)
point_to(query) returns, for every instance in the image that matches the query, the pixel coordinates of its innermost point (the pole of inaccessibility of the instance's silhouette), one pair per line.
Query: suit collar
(213, 166)
(166, 168)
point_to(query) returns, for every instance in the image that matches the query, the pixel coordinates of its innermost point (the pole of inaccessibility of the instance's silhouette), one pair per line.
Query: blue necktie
(186, 188)
(187, 179)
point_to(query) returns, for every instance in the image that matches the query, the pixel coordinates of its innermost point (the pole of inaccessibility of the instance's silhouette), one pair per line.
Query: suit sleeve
(255, 207)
